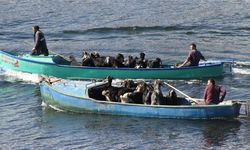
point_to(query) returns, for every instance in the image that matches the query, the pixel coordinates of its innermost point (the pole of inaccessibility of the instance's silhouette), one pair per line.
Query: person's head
(35, 28)
(192, 46)
(210, 81)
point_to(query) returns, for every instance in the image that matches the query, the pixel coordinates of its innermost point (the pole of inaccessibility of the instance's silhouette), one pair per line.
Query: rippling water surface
(160, 29)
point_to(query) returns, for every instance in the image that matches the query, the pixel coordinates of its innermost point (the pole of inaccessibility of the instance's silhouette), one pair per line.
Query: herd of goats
(95, 60)
(129, 92)
(132, 92)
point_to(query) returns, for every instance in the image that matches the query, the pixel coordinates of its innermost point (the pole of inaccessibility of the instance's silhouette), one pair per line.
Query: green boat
(44, 65)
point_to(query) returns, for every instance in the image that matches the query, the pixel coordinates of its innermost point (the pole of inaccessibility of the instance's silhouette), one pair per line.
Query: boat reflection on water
(216, 132)
(135, 132)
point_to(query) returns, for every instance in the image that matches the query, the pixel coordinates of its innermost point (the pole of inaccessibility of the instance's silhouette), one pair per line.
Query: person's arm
(184, 63)
(203, 58)
(223, 93)
(187, 60)
(205, 95)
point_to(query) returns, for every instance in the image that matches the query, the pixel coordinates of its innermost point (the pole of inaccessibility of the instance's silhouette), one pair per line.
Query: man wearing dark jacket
(40, 43)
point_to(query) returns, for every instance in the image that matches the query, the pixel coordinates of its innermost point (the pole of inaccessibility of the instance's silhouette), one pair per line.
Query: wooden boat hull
(45, 66)
(73, 99)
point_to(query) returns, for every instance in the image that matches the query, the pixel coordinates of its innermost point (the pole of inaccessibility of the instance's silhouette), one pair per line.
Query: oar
(190, 98)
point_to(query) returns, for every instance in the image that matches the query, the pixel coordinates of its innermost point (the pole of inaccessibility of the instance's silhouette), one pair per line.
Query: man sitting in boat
(212, 93)
(193, 58)
(40, 43)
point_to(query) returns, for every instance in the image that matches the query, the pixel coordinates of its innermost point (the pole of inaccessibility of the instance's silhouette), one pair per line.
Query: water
(160, 29)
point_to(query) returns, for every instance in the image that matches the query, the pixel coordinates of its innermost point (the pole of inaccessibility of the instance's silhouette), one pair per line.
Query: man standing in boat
(213, 92)
(193, 58)
(40, 43)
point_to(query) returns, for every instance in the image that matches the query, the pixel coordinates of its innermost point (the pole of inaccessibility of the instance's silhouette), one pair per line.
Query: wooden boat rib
(75, 98)
(45, 66)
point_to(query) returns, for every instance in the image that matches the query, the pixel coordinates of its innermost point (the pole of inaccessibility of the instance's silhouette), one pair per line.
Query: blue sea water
(158, 28)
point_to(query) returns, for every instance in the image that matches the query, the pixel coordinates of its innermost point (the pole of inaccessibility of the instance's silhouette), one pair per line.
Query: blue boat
(74, 96)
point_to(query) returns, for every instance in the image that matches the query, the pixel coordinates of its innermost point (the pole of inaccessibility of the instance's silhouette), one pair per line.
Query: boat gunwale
(139, 105)
(112, 68)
